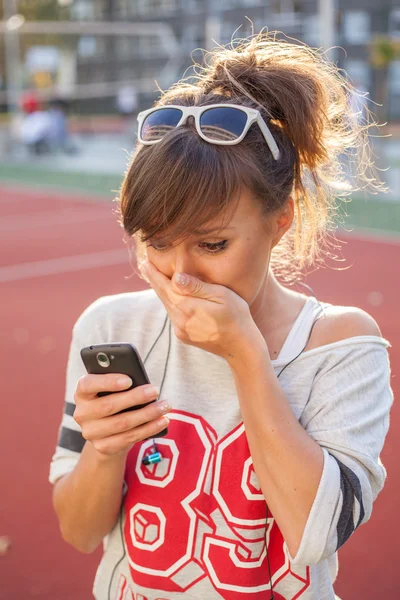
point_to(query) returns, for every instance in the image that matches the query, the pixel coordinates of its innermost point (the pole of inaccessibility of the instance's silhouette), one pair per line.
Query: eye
(214, 248)
(211, 248)
(157, 247)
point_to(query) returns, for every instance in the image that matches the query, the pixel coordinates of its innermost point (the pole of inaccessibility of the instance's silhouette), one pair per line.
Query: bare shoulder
(342, 322)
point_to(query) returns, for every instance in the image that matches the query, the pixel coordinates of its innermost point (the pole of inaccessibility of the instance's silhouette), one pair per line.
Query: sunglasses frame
(253, 116)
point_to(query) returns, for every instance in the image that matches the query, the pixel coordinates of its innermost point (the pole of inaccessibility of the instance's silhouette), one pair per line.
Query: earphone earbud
(152, 458)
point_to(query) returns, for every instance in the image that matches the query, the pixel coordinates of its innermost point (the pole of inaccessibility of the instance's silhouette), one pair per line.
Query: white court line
(365, 234)
(67, 264)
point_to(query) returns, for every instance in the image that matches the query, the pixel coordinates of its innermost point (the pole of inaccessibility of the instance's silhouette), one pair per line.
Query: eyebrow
(207, 231)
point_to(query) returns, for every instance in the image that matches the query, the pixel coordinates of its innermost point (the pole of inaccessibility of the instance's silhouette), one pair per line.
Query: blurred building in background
(161, 37)
(365, 30)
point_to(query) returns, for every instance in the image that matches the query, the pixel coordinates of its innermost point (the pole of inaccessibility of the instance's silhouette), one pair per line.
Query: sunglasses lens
(223, 124)
(158, 123)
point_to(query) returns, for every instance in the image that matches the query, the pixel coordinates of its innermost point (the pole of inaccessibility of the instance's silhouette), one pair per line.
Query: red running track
(58, 253)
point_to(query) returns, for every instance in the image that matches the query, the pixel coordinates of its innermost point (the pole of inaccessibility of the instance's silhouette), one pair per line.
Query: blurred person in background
(35, 129)
(44, 129)
(59, 137)
(278, 402)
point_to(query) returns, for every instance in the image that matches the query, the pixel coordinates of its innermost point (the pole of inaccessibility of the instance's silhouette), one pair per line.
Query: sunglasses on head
(223, 124)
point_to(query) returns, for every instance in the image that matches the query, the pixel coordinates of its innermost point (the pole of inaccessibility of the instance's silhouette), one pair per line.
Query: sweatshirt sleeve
(70, 441)
(347, 414)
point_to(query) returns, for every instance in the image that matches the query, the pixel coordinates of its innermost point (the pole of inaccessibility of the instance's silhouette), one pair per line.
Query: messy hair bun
(306, 102)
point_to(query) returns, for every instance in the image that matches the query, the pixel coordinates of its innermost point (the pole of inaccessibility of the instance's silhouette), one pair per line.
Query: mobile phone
(117, 358)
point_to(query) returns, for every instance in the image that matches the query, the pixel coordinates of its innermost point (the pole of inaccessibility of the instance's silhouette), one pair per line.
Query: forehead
(244, 211)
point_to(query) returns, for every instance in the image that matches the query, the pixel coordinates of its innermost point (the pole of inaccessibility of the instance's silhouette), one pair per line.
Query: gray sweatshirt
(193, 526)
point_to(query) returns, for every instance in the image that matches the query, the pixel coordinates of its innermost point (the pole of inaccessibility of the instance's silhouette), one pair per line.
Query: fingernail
(124, 382)
(151, 392)
(181, 279)
(163, 407)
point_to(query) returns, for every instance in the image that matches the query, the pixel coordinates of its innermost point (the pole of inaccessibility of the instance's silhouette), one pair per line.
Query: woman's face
(236, 257)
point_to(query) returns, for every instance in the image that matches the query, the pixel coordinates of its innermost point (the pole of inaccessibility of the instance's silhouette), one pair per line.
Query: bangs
(175, 187)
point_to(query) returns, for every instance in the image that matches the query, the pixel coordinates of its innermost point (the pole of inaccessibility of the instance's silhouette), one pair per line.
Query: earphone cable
(121, 512)
(156, 340)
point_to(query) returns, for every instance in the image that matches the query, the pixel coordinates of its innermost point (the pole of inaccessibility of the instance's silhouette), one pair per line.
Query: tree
(383, 51)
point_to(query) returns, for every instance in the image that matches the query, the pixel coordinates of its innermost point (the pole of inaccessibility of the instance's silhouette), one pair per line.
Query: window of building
(127, 46)
(94, 74)
(154, 7)
(394, 77)
(282, 6)
(150, 72)
(91, 47)
(311, 31)
(356, 26)
(287, 6)
(87, 46)
(196, 6)
(228, 4)
(122, 9)
(394, 22)
(194, 36)
(359, 73)
(150, 46)
(128, 73)
(82, 10)
(394, 92)
(226, 32)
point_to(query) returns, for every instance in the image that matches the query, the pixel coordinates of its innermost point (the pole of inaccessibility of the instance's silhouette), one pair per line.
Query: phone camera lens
(103, 359)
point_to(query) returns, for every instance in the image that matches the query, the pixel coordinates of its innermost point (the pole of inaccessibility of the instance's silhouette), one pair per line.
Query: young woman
(278, 403)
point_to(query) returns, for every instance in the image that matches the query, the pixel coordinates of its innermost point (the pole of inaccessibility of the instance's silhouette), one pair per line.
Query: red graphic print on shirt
(200, 513)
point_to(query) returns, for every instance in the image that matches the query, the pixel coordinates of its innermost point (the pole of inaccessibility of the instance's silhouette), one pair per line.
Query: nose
(182, 262)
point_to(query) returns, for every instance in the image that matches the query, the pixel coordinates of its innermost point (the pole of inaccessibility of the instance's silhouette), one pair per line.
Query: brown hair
(182, 182)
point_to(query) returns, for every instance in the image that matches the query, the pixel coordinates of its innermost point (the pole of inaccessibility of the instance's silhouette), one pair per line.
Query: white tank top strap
(300, 331)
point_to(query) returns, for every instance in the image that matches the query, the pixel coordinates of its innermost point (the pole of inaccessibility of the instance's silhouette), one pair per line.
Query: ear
(283, 221)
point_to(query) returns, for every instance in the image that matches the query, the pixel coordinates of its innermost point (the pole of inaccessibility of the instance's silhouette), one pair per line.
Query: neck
(275, 307)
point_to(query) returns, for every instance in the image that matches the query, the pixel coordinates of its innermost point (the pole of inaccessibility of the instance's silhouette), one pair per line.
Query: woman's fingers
(164, 289)
(90, 385)
(90, 407)
(126, 421)
(116, 444)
